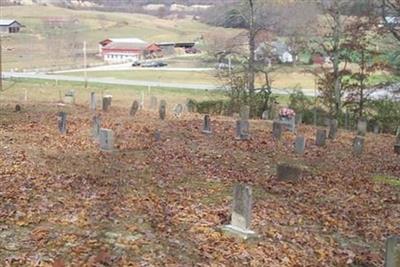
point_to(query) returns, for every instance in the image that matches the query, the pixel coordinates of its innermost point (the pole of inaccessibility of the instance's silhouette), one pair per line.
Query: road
(58, 77)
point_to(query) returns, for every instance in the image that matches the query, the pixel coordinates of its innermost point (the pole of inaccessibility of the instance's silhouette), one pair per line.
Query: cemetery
(99, 179)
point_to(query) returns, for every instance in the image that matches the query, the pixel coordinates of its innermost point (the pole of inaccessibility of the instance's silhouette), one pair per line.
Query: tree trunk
(252, 47)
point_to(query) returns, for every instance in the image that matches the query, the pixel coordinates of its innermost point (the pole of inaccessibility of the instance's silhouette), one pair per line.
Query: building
(127, 50)
(9, 26)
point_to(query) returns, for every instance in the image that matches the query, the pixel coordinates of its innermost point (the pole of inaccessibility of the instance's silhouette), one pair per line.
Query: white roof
(127, 40)
(6, 22)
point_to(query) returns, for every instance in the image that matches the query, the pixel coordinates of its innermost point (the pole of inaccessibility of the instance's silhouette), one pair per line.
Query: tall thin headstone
(96, 126)
(241, 213)
(333, 128)
(299, 145)
(277, 130)
(265, 115)
(178, 109)
(62, 122)
(134, 108)
(93, 101)
(320, 139)
(358, 145)
(106, 140)
(392, 256)
(157, 135)
(107, 99)
(242, 130)
(362, 125)
(207, 125)
(163, 109)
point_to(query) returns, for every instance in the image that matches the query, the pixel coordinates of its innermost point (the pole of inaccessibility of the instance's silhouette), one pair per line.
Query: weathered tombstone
(93, 101)
(134, 108)
(178, 109)
(299, 145)
(69, 97)
(392, 256)
(107, 99)
(163, 109)
(157, 135)
(106, 140)
(244, 113)
(320, 139)
(242, 130)
(17, 108)
(333, 128)
(289, 124)
(362, 127)
(264, 115)
(153, 102)
(377, 129)
(207, 125)
(288, 172)
(62, 122)
(277, 130)
(241, 213)
(397, 149)
(358, 145)
(96, 126)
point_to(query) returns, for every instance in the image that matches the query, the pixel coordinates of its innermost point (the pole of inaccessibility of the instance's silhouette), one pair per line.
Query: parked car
(154, 64)
(192, 50)
(135, 64)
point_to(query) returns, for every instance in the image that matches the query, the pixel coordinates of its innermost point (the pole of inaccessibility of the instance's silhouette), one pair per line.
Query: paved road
(42, 76)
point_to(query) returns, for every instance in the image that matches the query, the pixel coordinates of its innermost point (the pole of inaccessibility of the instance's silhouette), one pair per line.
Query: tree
(390, 16)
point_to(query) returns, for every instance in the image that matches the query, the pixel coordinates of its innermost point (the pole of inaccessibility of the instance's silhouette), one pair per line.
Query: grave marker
(18, 108)
(62, 122)
(241, 213)
(333, 128)
(358, 145)
(93, 101)
(163, 109)
(96, 126)
(264, 115)
(277, 130)
(134, 108)
(107, 99)
(69, 97)
(106, 140)
(362, 127)
(242, 130)
(320, 139)
(244, 113)
(397, 149)
(157, 135)
(299, 145)
(392, 257)
(207, 125)
(178, 109)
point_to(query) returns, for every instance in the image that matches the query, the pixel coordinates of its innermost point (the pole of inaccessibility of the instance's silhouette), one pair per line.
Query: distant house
(127, 50)
(9, 26)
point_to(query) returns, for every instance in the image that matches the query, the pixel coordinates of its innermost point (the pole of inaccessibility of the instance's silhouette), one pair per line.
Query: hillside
(54, 36)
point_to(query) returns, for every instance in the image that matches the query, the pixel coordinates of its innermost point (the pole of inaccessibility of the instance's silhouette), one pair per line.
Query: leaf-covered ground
(65, 203)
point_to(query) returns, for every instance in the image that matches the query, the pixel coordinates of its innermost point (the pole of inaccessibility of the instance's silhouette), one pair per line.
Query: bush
(387, 113)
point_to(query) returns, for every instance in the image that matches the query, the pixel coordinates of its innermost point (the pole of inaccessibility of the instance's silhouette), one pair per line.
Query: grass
(389, 180)
(39, 45)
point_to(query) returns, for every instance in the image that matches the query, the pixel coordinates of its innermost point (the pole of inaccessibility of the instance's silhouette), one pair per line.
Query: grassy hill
(47, 42)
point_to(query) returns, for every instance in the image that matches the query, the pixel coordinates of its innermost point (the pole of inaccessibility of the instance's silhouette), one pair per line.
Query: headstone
(244, 113)
(107, 99)
(264, 115)
(157, 135)
(397, 149)
(288, 172)
(207, 125)
(392, 256)
(93, 101)
(134, 108)
(347, 121)
(178, 109)
(153, 102)
(106, 140)
(288, 124)
(358, 145)
(241, 213)
(362, 127)
(62, 122)
(69, 97)
(320, 139)
(242, 130)
(333, 128)
(299, 145)
(17, 108)
(277, 130)
(377, 129)
(163, 109)
(96, 126)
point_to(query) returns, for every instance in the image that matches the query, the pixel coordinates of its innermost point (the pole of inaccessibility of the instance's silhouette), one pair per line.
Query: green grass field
(41, 44)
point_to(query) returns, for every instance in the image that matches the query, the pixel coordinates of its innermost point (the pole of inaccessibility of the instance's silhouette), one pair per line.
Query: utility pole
(85, 63)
